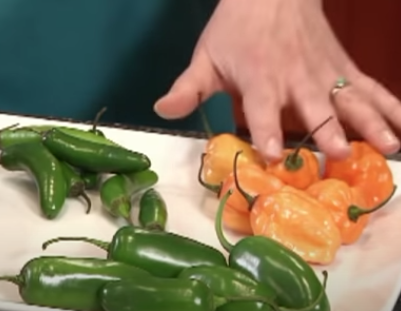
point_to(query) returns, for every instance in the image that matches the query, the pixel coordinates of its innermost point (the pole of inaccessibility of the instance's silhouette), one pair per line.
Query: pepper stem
(354, 212)
(10, 127)
(218, 222)
(88, 201)
(214, 188)
(205, 122)
(101, 244)
(97, 118)
(15, 279)
(293, 161)
(250, 199)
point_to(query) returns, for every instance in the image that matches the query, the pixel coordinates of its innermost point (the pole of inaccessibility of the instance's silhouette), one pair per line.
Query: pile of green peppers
(66, 162)
(149, 269)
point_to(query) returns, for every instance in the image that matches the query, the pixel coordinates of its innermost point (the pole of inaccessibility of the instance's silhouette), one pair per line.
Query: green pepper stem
(206, 125)
(214, 188)
(294, 162)
(354, 212)
(88, 201)
(97, 118)
(15, 279)
(101, 244)
(218, 223)
(10, 127)
(250, 199)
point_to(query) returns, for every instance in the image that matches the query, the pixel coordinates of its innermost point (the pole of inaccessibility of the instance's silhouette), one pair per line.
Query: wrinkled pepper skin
(226, 282)
(304, 172)
(245, 306)
(157, 294)
(220, 151)
(365, 169)
(69, 283)
(337, 197)
(162, 254)
(275, 266)
(298, 221)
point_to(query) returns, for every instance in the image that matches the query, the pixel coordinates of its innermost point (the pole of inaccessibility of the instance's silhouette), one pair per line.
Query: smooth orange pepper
(299, 167)
(254, 181)
(220, 151)
(365, 169)
(300, 222)
(337, 196)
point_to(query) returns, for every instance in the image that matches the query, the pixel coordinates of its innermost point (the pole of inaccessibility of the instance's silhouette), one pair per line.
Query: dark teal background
(69, 58)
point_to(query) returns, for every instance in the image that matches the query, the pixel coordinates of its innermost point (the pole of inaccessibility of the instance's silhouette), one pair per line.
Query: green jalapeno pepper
(46, 170)
(116, 191)
(245, 306)
(91, 180)
(94, 157)
(75, 185)
(69, 283)
(275, 266)
(227, 282)
(158, 294)
(152, 211)
(163, 254)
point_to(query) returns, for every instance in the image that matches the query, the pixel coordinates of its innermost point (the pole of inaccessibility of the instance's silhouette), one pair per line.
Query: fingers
(262, 110)
(183, 97)
(314, 107)
(358, 112)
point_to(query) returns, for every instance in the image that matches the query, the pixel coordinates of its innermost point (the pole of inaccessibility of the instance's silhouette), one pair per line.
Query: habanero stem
(214, 188)
(250, 199)
(293, 161)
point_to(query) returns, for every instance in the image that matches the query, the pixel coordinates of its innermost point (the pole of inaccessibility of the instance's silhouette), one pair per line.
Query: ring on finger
(341, 83)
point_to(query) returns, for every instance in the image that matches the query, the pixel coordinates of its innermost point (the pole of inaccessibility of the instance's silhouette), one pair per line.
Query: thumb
(198, 82)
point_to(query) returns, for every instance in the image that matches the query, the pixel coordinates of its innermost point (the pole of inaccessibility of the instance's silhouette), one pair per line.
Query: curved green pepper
(227, 282)
(277, 267)
(75, 185)
(161, 253)
(69, 283)
(152, 211)
(94, 157)
(158, 294)
(34, 158)
(116, 191)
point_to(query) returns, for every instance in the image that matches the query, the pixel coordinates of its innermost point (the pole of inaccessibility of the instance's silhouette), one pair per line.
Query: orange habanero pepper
(298, 221)
(365, 169)
(337, 196)
(254, 181)
(299, 167)
(220, 151)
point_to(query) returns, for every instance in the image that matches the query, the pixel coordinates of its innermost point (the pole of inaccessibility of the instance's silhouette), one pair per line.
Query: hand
(275, 53)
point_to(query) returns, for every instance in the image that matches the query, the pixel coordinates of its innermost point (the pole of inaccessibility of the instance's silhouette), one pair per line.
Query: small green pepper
(91, 180)
(275, 266)
(75, 185)
(163, 254)
(158, 294)
(245, 306)
(35, 159)
(69, 283)
(227, 282)
(116, 191)
(152, 211)
(94, 157)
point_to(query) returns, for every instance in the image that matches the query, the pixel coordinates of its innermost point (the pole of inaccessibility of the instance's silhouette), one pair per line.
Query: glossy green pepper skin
(163, 254)
(158, 294)
(152, 211)
(227, 282)
(245, 306)
(275, 266)
(33, 158)
(69, 283)
(94, 157)
(116, 191)
(91, 180)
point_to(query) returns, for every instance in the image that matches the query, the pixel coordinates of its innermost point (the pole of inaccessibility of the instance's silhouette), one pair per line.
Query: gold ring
(341, 83)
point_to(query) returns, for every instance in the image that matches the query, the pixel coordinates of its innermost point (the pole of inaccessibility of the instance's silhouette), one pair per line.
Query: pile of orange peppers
(291, 201)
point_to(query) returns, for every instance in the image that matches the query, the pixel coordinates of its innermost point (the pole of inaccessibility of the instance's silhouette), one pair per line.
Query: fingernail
(388, 138)
(273, 149)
